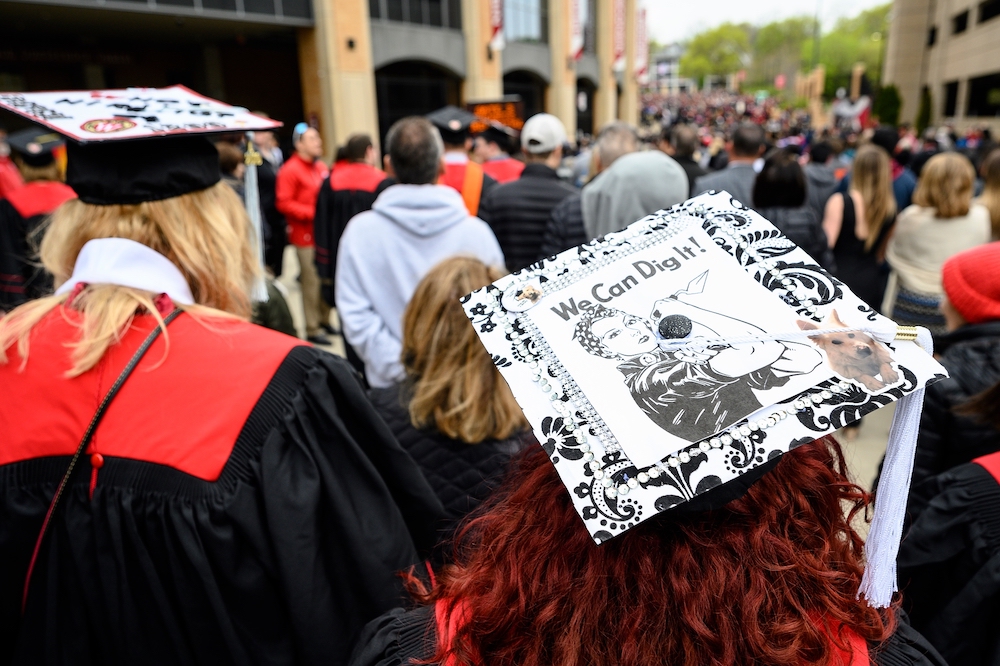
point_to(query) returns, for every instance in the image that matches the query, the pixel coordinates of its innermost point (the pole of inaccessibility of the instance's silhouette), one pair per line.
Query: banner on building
(576, 30)
(618, 36)
(497, 39)
(641, 67)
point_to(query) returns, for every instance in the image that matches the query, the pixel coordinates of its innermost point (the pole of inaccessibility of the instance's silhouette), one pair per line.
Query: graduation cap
(138, 144)
(453, 123)
(667, 366)
(499, 134)
(141, 144)
(36, 146)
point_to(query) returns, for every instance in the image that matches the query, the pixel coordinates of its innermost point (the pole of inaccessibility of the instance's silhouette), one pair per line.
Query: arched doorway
(412, 88)
(585, 90)
(530, 87)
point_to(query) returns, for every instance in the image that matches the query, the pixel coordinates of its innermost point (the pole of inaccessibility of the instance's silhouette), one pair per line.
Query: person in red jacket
(297, 187)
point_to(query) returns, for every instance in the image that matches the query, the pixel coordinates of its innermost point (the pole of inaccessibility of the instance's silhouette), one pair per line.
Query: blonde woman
(858, 222)
(454, 414)
(205, 501)
(990, 198)
(942, 222)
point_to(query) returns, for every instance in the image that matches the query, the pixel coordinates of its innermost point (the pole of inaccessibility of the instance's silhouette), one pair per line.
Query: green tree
(717, 52)
(887, 105)
(777, 49)
(852, 40)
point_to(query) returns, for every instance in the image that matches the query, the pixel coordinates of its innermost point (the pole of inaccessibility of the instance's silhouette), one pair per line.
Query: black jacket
(462, 475)
(565, 227)
(692, 169)
(949, 564)
(518, 212)
(804, 229)
(972, 356)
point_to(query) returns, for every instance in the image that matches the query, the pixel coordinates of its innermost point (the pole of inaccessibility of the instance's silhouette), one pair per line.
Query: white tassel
(879, 581)
(251, 199)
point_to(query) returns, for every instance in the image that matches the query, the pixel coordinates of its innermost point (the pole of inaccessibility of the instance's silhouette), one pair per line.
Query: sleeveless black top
(858, 268)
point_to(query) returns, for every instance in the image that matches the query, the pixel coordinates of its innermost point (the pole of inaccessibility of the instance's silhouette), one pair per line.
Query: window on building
(950, 99)
(932, 36)
(988, 10)
(984, 96)
(526, 20)
(960, 23)
(438, 13)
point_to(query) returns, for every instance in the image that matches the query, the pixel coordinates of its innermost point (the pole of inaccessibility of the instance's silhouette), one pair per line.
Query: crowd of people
(250, 498)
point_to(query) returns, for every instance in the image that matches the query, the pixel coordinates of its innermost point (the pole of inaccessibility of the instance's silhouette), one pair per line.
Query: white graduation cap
(690, 349)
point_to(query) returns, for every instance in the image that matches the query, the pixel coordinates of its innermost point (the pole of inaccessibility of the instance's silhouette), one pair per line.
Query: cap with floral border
(667, 366)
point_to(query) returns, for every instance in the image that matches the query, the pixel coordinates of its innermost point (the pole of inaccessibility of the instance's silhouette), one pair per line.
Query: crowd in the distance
(260, 501)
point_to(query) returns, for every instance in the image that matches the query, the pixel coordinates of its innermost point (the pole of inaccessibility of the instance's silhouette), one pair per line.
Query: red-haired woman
(765, 574)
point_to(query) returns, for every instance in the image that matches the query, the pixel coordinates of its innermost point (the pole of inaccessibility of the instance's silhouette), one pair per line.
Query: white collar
(127, 263)
(455, 157)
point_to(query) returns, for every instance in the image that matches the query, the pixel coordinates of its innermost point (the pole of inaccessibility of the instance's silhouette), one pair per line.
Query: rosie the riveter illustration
(691, 393)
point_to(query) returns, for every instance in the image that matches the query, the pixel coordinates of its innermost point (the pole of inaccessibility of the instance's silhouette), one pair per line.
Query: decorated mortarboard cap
(669, 365)
(452, 122)
(36, 146)
(138, 144)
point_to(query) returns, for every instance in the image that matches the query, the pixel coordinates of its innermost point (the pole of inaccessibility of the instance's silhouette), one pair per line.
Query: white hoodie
(383, 255)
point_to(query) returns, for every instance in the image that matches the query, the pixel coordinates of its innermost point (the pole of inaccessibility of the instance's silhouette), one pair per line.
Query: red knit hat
(972, 282)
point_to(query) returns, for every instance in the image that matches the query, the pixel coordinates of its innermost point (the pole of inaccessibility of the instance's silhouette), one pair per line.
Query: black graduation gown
(275, 233)
(351, 188)
(399, 636)
(281, 559)
(949, 563)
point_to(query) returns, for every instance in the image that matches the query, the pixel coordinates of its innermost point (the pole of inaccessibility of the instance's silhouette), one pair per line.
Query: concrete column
(628, 105)
(606, 96)
(338, 80)
(561, 95)
(483, 66)
(905, 51)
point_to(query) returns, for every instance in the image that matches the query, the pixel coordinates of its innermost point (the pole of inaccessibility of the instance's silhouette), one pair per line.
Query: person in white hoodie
(385, 252)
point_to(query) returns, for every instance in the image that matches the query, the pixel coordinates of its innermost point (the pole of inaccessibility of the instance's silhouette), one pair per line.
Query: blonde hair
(990, 197)
(206, 234)
(872, 179)
(455, 386)
(946, 185)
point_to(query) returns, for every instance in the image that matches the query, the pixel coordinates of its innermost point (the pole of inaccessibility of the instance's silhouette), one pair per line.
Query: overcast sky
(678, 20)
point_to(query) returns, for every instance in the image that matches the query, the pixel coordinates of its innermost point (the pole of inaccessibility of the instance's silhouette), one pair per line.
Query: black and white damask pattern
(611, 493)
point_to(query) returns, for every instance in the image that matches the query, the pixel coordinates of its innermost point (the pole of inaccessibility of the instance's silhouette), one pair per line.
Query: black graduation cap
(453, 123)
(499, 134)
(36, 145)
(134, 145)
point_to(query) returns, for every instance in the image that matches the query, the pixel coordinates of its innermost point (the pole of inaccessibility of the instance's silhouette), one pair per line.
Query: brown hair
(206, 234)
(990, 171)
(872, 179)
(946, 185)
(32, 174)
(455, 386)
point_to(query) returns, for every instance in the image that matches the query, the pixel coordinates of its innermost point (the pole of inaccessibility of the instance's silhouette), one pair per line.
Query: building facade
(950, 49)
(345, 66)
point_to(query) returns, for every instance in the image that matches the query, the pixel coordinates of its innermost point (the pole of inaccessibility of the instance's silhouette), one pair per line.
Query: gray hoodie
(634, 186)
(383, 255)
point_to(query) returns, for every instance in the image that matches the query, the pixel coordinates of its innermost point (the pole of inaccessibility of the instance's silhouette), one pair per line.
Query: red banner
(576, 30)
(618, 36)
(641, 67)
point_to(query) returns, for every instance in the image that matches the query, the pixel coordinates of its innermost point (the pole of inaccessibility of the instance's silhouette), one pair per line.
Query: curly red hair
(764, 580)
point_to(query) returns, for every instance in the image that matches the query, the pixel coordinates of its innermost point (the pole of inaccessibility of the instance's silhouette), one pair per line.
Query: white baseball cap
(542, 133)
